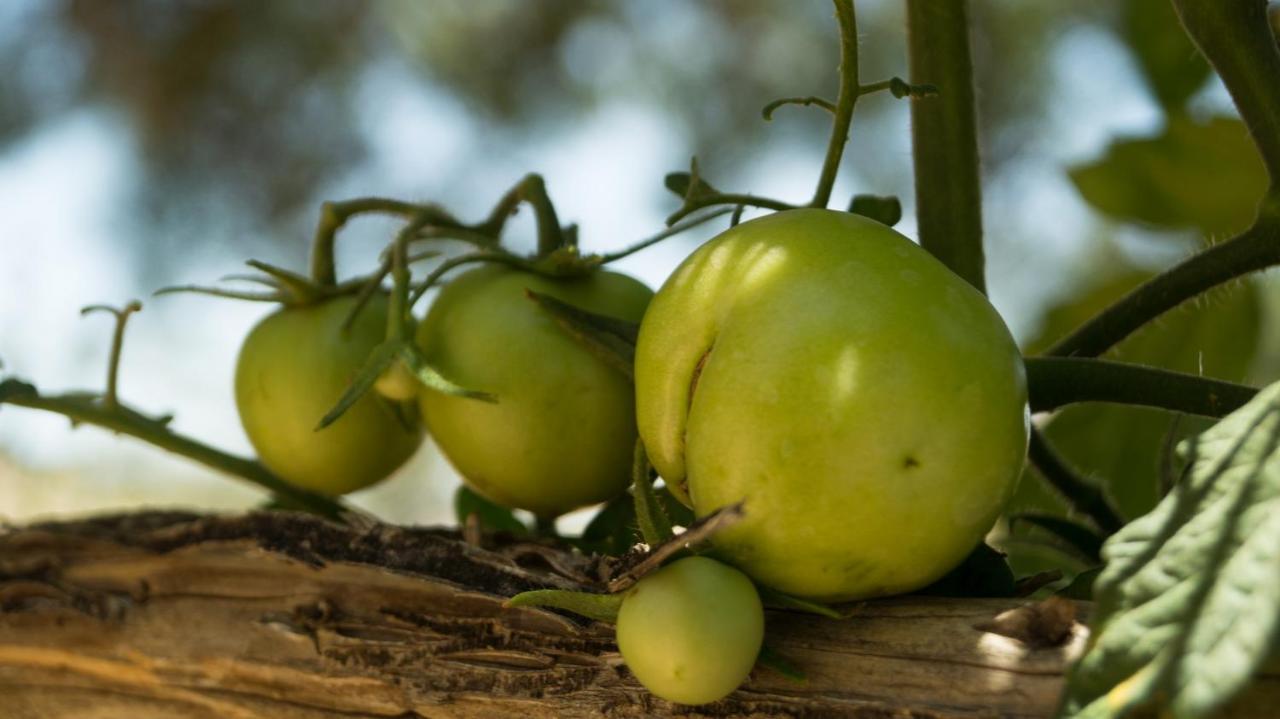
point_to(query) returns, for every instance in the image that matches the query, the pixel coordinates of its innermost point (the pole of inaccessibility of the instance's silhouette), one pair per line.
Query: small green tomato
(562, 431)
(691, 631)
(293, 367)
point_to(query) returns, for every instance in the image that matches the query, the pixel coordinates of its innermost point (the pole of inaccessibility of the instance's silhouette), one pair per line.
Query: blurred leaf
(885, 210)
(1189, 601)
(1191, 176)
(1172, 65)
(1121, 445)
(984, 573)
(493, 517)
(1082, 586)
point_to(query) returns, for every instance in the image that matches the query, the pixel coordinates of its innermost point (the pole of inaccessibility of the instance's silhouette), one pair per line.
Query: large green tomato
(562, 431)
(691, 631)
(293, 367)
(868, 405)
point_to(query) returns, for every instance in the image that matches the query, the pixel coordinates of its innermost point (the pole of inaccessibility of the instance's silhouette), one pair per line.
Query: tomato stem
(334, 215)
(111, 398)
(944, 138)
(1083, 496)
(1055, 382)
(845, 102)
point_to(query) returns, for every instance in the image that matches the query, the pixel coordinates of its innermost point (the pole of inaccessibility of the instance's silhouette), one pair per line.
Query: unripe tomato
(293, 367)
(561, 433)
(867, 405)
(691, 631)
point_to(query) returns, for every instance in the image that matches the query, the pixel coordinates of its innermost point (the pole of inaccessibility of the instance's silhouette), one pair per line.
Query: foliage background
(152, 142)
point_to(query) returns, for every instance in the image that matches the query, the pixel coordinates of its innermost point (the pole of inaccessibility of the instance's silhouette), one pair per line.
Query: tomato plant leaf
(493, 517)
(1189, 601)
(1084, 540)
(1205, 176)
(609, 338)
(600, 607)
(885, 210)
(1173, 67)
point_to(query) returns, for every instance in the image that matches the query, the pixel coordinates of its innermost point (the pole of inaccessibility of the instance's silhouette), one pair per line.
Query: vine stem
(1055, 382)
(845, 101)
(128, 422)
(111, 399)
(1256, 249)
(944, 137)
(333, 215)
(1083, 496)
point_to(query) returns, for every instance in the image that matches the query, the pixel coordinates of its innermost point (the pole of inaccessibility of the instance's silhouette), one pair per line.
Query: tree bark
(285, 615)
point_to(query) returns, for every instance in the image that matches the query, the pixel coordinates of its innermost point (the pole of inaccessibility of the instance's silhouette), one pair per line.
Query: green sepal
(775, 599)
(431, 378)
(600, 607)
(655, 525)
(886, 210)
(611, 339)
(769, 657)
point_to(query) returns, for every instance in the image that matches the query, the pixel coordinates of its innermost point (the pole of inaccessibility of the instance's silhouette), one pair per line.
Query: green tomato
(293, 367)
(867, 405)
(561, 433)
(691, 631)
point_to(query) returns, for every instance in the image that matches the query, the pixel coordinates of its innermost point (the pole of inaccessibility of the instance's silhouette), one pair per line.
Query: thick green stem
(134, 424)
(1236, 38)
(1256, 249)
(1083, 496)
(944, 137)
(1055, 382)
(844, 102)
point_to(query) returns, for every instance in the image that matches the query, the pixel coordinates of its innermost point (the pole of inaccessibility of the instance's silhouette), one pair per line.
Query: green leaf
(1189, 602)
(600, 607)
(770, 658)
(655, 525)
(493, 517)
(885, 210)
(774, 599)
(1079, 537)
(1172, 66)
(1205, 176)
(984, 573)
(13, 387)
(609, 338)
(431, 378)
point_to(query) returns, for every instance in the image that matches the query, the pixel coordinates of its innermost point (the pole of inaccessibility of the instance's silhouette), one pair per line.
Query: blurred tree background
(1109, 151)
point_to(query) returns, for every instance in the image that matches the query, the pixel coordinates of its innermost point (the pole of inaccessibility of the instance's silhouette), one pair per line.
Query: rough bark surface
(284, 615)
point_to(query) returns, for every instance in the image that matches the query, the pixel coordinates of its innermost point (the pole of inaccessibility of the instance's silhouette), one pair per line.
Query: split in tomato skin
(691, 631)
(293, 367)
(561, 434)
(867, 405)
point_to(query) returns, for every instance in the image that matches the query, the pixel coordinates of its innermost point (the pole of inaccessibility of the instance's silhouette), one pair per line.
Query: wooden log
(284, 615)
